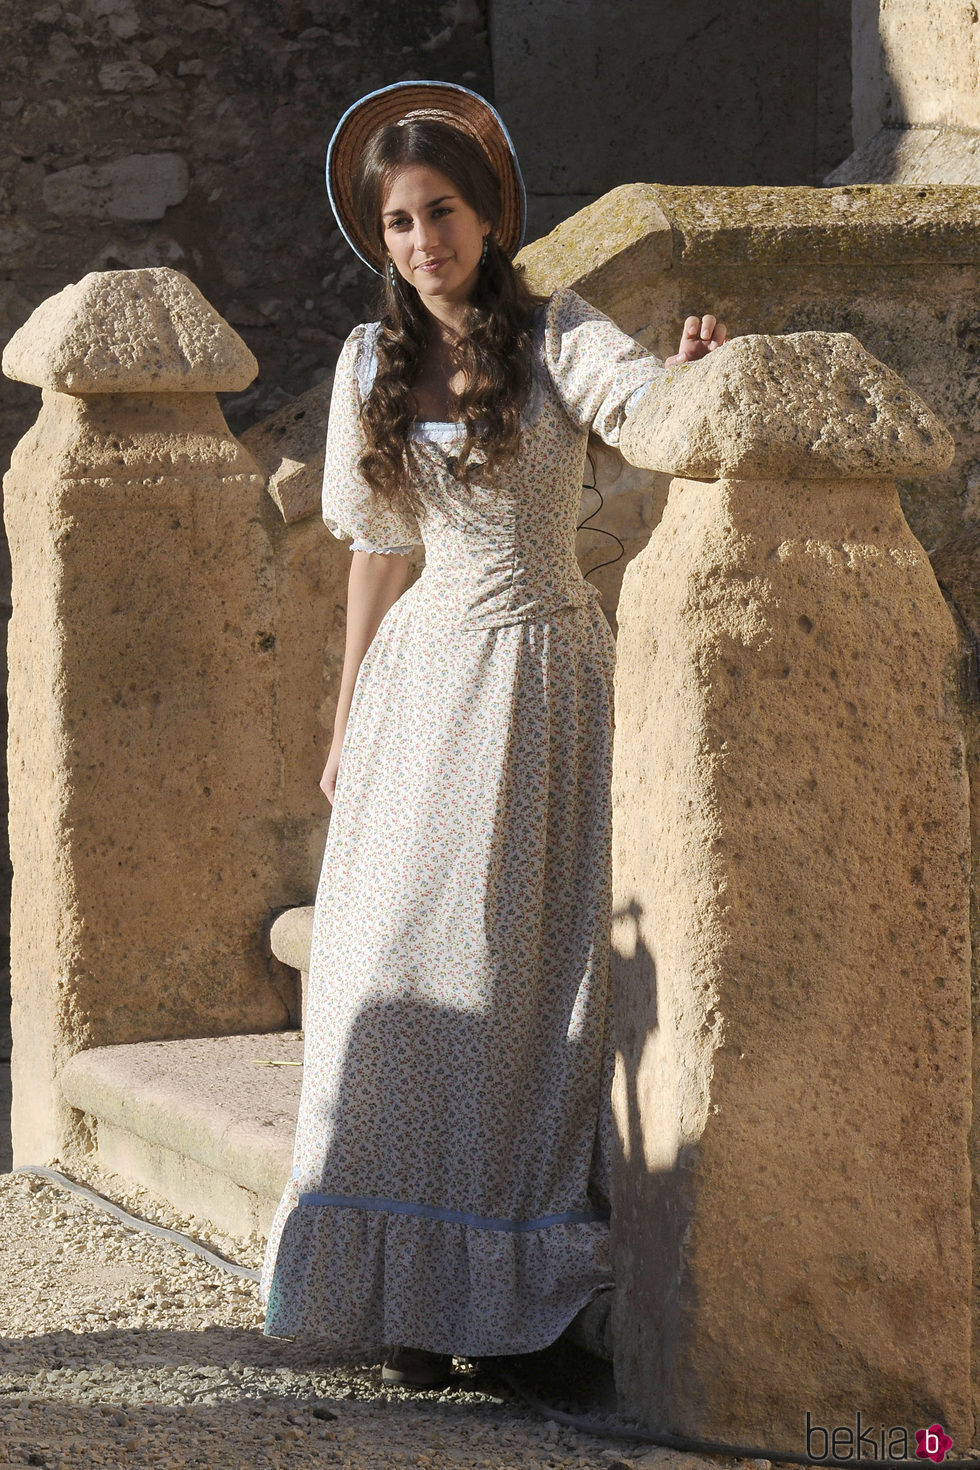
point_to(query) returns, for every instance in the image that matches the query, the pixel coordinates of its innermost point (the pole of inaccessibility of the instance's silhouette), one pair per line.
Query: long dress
(450, 1188)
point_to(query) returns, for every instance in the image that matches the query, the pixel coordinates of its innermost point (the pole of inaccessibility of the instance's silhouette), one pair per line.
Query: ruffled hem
(360, 542)
(361, 1281)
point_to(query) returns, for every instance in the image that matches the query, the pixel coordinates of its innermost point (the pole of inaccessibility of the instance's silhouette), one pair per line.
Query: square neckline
(456, 426)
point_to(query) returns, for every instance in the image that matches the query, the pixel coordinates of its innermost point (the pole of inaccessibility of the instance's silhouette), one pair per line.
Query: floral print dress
(450, 1188)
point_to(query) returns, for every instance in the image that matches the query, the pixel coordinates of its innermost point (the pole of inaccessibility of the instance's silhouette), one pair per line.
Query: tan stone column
(791, 933)
(142, 758)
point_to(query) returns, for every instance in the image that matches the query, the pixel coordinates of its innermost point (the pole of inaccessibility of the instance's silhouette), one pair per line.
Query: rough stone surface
(930, 60)
(292, 935)
(799, 229)
(291, 939)
(6, 1150)
(957, 567)
(624, 237)
(791, 969)
(290, 447)
(914, 99)
(308, 568)
(141, 331)
(813, 405)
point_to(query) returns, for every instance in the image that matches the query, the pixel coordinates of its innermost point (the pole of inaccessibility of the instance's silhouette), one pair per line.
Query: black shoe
(414, 1368)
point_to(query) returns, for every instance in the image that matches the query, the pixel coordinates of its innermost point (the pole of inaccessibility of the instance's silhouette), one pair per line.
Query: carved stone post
(791, 885)
(143, 764)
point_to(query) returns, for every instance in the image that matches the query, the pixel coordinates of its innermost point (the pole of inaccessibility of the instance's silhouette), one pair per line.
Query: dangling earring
(486, 249)
(391, 273)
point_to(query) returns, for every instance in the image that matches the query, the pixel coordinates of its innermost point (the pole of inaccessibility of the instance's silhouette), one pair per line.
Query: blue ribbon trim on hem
(453, 1217)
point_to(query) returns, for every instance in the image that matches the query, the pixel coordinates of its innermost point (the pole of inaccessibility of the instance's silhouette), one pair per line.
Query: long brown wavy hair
(494, 349)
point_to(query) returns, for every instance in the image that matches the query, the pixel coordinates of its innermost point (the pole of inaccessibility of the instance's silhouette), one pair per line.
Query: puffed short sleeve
(598, 371)
(351, 509)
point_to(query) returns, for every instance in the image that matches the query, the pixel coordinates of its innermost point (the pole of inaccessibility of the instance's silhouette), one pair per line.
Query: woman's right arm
(376, 581)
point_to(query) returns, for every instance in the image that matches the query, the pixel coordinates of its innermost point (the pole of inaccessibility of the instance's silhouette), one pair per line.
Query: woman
(450, 1191)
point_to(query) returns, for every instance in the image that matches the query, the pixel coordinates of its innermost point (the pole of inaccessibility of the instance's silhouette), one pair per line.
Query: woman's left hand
(701, 335)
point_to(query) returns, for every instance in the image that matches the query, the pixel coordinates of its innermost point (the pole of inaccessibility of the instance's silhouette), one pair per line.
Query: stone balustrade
(791, 931)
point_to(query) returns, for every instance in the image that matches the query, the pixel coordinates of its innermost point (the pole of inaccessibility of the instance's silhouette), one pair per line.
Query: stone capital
(136, 331)
(807, 405)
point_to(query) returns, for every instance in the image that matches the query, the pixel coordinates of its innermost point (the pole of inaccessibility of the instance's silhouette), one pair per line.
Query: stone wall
(701, 93)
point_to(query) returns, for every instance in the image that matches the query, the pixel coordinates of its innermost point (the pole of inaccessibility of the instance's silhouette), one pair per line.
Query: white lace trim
(359, 544)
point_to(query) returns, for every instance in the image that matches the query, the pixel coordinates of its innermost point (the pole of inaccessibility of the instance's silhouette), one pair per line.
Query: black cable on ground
(701, 1446)
(135, 1223)
(506, 1374)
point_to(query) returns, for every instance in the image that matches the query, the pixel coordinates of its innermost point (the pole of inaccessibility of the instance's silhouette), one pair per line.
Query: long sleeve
(351, 510)
(598, 370)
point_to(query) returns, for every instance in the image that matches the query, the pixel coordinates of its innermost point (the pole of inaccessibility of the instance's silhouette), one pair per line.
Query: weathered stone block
(290, 447)
(897, 267)
(791, 960)
(141, 186)
(139, 331)
(808, 405)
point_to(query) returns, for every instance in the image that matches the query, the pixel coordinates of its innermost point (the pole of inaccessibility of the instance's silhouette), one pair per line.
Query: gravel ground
(121, 1350)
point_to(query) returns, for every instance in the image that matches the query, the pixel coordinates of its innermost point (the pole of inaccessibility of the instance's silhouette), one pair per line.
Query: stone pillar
(142, 760)
(791, 932)
(915, 104)
(956, 563)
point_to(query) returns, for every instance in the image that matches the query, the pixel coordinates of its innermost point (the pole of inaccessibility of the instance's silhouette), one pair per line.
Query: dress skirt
(451, 1173)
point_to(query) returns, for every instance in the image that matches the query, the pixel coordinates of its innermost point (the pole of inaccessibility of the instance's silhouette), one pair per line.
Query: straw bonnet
(442, 102)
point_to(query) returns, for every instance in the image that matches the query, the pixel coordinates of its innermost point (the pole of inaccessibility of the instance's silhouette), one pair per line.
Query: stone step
(204, 1124)
(291, 936)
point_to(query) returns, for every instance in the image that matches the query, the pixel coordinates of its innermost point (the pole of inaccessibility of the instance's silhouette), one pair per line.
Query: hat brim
(445, 102)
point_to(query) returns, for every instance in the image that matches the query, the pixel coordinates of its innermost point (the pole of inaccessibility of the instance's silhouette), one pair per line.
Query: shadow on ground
(246, 1398)
(564, 1374)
